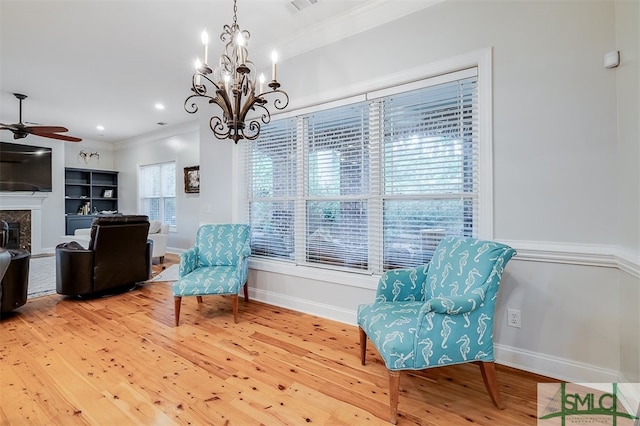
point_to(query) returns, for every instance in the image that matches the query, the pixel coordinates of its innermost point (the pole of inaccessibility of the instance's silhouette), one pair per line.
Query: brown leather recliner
(118, 257)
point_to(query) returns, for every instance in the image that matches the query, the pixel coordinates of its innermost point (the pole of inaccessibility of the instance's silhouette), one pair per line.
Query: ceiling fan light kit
(233, 86)
(21, 131)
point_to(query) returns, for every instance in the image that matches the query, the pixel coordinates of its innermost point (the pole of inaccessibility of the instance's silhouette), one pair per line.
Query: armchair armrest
(402, 285)
(74, 269)
(188, 261)
(82, 232)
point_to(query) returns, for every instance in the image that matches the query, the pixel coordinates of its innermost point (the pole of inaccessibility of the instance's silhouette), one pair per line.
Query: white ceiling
(85, 63)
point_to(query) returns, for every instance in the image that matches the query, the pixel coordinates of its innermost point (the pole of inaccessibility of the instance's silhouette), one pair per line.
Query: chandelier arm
(254, 127)
(280, 102)
(218, 127)
(200, 91)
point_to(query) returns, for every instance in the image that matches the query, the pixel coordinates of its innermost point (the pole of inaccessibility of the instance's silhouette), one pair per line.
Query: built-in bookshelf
(88, 193)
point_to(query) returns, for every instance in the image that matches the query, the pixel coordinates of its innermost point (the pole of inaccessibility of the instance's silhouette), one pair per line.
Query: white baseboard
(545, 365)
(554, 367)
(306, 306)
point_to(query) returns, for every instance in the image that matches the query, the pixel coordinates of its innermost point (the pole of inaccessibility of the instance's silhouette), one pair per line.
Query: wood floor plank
(120, 360)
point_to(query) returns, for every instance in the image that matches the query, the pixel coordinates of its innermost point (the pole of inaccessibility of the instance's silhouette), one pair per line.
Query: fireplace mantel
(27, 201)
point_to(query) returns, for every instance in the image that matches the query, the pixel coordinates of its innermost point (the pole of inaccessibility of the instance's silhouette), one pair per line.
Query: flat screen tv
(25, 168)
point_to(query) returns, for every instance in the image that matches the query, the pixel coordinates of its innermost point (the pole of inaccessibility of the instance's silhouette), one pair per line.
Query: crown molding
(360, 19)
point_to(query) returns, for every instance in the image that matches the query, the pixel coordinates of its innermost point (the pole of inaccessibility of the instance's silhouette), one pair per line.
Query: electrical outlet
(513, 318)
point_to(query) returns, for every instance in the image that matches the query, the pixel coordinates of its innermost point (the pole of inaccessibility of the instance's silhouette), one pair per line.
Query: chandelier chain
(235, 13)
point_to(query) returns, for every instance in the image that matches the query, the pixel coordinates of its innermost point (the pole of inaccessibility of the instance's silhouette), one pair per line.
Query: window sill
(353, 279)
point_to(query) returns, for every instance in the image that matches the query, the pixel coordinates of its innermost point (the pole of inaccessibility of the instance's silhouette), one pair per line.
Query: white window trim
(482, 59)
(172, 228)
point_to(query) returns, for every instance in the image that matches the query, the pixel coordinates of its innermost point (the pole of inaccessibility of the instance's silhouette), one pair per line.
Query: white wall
(555, 139)
(102, 159)
(628, 215)
(179, 144)
(565, 161)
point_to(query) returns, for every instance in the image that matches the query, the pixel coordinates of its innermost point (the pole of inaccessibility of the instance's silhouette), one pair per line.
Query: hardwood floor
(119, 360)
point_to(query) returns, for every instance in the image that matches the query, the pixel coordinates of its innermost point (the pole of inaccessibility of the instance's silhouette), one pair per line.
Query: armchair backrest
(119, 244)
(462, 264)
(222, 244)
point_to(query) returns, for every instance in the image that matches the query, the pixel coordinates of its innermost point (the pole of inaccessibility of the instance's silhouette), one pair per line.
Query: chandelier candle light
(232, 86)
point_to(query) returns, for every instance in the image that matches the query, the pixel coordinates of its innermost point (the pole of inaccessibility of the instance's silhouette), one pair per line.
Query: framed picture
(192, 179)
(108, 193)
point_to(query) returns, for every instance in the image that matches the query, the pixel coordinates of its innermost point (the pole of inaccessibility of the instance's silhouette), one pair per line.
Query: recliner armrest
(74, 269)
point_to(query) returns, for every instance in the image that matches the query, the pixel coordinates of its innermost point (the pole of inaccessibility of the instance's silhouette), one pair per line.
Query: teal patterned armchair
(438, 314)
(216, 265)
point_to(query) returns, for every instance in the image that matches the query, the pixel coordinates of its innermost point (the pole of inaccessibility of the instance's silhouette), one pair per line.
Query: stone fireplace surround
(25, 208)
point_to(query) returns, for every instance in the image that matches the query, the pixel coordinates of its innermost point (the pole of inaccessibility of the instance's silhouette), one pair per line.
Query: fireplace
(19, 222)
(27, 210)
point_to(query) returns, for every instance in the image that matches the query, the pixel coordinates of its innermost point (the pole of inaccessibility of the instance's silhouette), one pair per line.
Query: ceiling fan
(21, 131)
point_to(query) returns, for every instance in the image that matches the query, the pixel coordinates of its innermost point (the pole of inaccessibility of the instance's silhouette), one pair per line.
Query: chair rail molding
(577, 254)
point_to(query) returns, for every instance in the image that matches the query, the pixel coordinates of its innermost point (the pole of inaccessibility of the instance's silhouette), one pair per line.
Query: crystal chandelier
(232, 86)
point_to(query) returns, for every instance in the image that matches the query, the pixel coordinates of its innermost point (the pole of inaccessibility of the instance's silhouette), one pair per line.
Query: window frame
(480, 59)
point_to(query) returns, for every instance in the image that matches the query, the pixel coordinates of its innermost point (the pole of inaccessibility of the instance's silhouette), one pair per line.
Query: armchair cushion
(402, 285)
(211, 280)
(154, 226)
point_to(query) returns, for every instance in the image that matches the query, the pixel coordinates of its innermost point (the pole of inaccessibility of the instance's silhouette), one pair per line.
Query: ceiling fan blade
(39, 130)
(57, 136)
(21, 131)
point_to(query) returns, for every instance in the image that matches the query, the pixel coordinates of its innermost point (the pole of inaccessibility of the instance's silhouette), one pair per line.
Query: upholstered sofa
(158, 233)
(117, 257)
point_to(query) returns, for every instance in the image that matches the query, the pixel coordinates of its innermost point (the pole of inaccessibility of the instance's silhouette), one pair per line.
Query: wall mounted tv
(25, 168)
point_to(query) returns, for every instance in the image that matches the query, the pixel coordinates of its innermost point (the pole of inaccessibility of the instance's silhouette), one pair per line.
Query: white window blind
(272, 169)
(157, 192)
(337, 186)
(370, 185)
(430, 153)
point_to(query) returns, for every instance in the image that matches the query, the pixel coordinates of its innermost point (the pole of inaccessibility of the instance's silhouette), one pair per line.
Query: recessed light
(159, 106)
(99, 127)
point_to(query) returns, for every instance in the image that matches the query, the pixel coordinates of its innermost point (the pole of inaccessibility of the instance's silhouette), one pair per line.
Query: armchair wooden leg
(234, 304)
(199, 299)
(394, 390)
(488, 370)
(161, 259)
(176, 304)
(363, 345)
(246, 292)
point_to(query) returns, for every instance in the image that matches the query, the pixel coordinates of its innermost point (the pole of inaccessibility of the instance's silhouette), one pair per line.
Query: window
(157, 191)
(370, 185)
